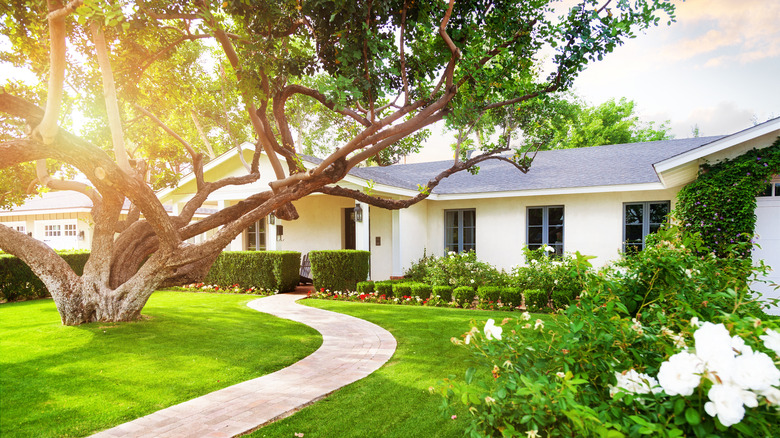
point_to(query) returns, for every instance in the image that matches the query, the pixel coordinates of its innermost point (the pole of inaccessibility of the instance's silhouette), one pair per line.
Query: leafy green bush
(443, 292)
(271, 270)
(365, 287)
(561, 278)
(339, 270)
(419, 269)
(592, 369)
(511, 296)
(421, 290)
(401, 290)
(384, 288)
(462, 270)
(17, 281)
(489, 293)
(536, 300)
(464, 296)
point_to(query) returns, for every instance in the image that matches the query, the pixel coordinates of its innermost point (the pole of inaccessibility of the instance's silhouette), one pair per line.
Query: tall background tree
(155, 78)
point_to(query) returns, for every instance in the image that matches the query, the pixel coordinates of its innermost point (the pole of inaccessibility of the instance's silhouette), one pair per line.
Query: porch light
(358, 213)
(271, 219)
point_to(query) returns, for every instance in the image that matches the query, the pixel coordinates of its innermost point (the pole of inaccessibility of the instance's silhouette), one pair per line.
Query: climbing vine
(721, 203)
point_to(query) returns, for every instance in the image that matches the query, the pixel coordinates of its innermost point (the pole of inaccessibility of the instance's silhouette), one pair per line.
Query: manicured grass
(394, 401)
(59, 381)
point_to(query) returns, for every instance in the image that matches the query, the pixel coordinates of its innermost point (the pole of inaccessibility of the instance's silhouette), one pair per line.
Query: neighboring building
(60, 219)
(599, 201)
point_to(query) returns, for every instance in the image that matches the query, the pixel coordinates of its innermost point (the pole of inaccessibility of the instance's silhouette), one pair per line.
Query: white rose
(681, 374)
(492, 330)
(771, 340)
(756, 371)
(727, 402)
(713, 346)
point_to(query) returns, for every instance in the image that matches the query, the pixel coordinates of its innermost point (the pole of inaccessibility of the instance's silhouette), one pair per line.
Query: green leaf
(692, 416)
(470, 374)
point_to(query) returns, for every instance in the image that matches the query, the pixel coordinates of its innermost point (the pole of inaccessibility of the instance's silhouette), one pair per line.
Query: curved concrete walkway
(351, 350)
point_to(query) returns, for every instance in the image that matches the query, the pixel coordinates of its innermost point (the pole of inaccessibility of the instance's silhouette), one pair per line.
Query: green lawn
(58, 381)
(394, 401)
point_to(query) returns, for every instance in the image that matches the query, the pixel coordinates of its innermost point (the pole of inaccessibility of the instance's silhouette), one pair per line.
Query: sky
(717, 67)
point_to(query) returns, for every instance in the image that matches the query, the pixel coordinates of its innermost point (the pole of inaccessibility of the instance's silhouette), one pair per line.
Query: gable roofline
(718, 145)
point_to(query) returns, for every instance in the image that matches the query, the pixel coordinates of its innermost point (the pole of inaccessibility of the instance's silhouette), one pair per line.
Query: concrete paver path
(351, 350)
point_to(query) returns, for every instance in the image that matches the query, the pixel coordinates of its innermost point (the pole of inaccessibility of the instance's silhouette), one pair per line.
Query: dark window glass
(255, 236)
(641, 219)
(460, 230)
(545, 227)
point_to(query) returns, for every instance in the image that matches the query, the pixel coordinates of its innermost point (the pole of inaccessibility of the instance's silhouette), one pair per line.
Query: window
(545, 227)
(70, 229)
(460, 230)
(771, 190)
(20, 228)
(641, 219)
(255, 236)
(52, 231)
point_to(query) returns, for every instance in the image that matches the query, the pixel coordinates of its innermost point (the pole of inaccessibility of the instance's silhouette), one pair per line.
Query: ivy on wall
(721, 203)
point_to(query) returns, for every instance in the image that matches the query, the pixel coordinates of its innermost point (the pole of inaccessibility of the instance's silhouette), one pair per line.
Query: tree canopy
(152, 78)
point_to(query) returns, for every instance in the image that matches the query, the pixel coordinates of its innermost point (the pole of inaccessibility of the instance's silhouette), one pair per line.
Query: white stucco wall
(320, 225)
(593, 224)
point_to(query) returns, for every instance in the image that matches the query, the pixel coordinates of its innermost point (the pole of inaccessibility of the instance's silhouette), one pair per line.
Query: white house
(593, 200)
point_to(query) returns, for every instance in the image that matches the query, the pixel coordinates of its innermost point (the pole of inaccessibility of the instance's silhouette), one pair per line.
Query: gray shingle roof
(565, 168)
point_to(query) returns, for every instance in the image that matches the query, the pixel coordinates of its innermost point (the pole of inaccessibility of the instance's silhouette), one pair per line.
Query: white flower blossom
(539, 324)
(681, 374)
(634, 383)
(727, 402)
(548, 248)
(771, 340)
(492, 330)
(525, 316)
(713, 347)
(755, 371)
(695, 322)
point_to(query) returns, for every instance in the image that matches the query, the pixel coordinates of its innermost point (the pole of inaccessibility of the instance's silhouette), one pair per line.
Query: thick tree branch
(112, 106)
(289, 90)
(65, 10)
(48, 126)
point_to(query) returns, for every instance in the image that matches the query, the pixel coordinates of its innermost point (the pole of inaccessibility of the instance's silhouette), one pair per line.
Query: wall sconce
(358, 213)
(271, 219)
(81, 235)
(279, 233)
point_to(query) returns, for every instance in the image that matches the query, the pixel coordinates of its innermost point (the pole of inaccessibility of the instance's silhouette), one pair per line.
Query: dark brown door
(349, 228)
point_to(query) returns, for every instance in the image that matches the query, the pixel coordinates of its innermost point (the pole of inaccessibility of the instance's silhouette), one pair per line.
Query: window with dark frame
(460, 230)
(255, 236)
(641, 219)
(545, 227)
(771, 190)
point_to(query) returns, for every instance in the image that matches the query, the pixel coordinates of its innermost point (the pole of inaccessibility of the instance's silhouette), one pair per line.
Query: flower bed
(406, 300)
(233, 289)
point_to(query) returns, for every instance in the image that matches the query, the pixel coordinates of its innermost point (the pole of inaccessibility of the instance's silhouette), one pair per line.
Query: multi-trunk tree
(152, 78)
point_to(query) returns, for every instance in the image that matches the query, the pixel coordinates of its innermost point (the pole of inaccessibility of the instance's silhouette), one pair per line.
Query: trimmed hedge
(401, 290)
(464, 296)
(17, 281)
(536, 300)
(489, 293)
(365, 287)
(339, 270)
(384, 288)
(443, 292)
(512, 296)
(270, 270)
(421, 290)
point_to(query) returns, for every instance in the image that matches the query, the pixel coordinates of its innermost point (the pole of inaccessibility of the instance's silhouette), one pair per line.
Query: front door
(349, 228)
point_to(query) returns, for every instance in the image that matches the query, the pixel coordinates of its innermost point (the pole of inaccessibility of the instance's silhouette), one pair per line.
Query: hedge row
(338, 269)
(464, 296)
(18, 283)
(271, 270)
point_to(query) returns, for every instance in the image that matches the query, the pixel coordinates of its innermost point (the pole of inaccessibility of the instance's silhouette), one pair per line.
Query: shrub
(270, 270)
(365, 287)
(443, 292)
(421, 290)
(17, 281)
(464, 296)
(384, 288)
(462, 270)
(536, 300)
(511, 296)
(562, 277)
(339, 270)
(595, 366)
(401, 290)
(489, 293)
(419, 269)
